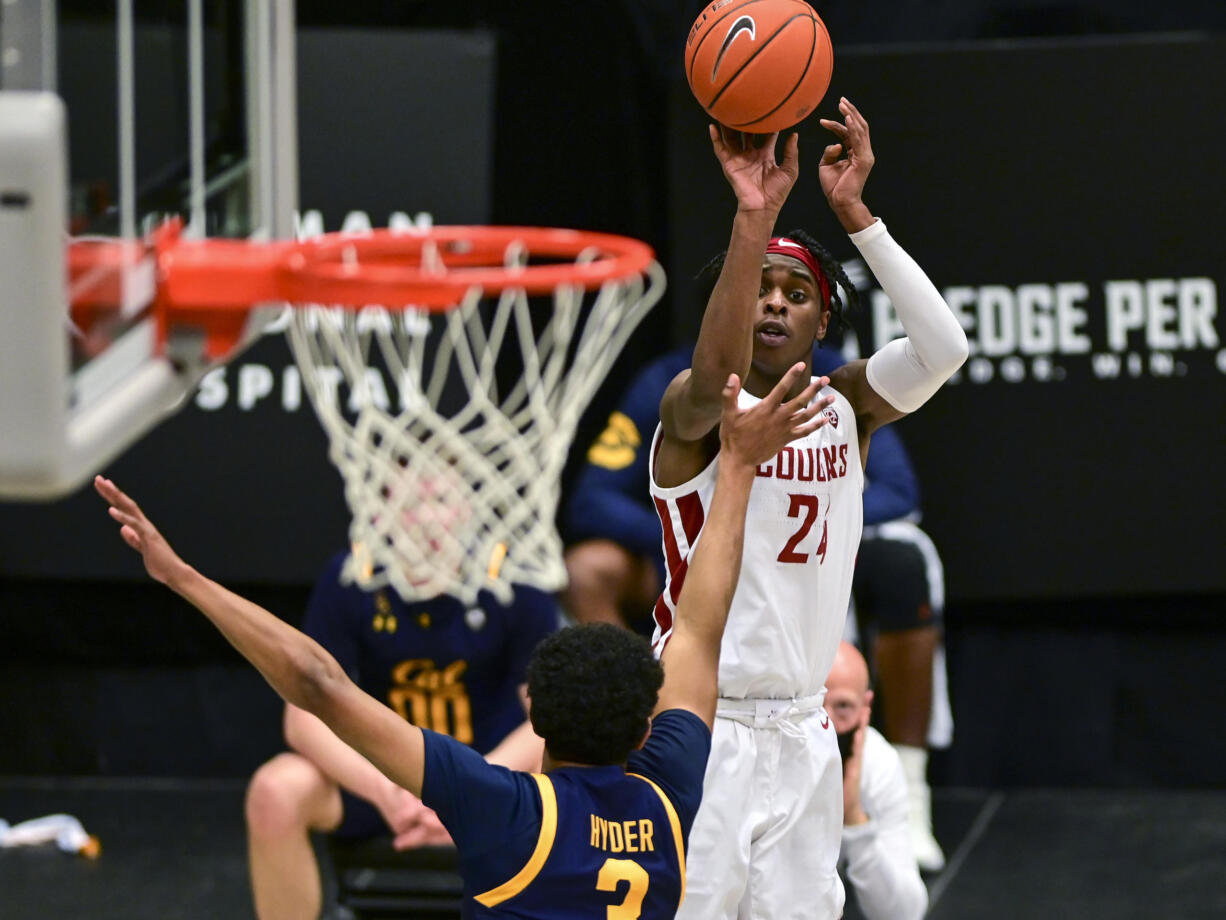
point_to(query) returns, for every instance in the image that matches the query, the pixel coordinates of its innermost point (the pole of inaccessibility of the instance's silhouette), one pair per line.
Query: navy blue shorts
(891, 586)
(359, 819)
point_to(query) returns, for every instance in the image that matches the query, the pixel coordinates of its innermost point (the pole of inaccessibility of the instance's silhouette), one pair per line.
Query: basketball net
(453, 482)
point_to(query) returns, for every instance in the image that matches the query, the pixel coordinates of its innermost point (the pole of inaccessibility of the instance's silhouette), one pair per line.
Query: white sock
(914, 765)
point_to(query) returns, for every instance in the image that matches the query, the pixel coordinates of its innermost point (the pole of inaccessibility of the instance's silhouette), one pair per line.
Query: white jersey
(802, 531)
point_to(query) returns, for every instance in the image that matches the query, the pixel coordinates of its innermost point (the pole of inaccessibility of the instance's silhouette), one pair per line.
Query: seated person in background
(459, 671)
(615, 569)
(899, 594)
(626, 737)
(614, 563)
(876, 857)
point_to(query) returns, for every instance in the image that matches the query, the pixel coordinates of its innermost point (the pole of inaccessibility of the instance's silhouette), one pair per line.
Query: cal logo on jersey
(433, 697)
(617, 445)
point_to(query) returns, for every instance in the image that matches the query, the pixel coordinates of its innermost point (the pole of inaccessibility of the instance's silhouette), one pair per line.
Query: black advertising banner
(1067, 199)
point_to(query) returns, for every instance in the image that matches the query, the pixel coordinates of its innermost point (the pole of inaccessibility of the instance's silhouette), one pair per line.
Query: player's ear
(823, 325)
(868, 705)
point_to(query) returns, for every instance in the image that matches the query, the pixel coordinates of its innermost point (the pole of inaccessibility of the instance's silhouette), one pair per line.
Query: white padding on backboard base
(56, 430)
(33, 347)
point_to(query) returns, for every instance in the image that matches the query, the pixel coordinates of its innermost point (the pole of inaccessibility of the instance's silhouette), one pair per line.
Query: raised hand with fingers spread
(754, 435)
(845, 166)
(161, 562)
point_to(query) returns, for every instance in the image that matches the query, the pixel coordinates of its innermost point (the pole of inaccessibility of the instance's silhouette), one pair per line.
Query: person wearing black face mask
(876, 857)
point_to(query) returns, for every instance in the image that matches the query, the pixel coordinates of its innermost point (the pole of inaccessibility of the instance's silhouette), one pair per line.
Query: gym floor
(174, 850)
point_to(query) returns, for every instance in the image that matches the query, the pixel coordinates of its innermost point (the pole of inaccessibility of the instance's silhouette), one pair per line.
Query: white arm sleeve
(880, 864)
(906, 372)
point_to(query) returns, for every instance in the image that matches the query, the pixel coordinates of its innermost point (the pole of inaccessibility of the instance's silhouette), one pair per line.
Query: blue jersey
(443, 666)
(577, 843)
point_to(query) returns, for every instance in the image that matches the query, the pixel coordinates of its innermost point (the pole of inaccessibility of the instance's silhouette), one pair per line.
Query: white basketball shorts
(765, 843)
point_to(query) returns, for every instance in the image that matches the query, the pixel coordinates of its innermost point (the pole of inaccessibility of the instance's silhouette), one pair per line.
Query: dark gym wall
(1061, 687)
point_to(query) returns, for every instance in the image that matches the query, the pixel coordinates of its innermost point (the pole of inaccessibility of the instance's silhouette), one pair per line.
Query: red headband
(782, 246)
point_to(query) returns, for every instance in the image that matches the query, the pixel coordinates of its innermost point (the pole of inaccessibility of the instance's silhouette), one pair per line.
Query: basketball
(758, 65)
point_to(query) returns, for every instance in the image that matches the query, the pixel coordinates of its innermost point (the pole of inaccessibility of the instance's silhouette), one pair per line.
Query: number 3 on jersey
(624, 870)
(804, 507)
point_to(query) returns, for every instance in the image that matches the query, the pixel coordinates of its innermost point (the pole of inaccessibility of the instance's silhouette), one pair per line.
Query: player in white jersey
(810, 491)
(766, 840)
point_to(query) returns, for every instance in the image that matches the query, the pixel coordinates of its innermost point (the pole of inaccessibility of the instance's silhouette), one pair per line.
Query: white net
(452, 474)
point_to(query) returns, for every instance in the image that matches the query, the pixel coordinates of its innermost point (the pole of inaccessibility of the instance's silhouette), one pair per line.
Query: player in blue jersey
(602, 832)
(438, 663)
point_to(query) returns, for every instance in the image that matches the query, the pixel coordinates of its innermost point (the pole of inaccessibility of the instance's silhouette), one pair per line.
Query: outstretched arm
(747, 438)
(691, 407)
(905, 373)
(296, 666)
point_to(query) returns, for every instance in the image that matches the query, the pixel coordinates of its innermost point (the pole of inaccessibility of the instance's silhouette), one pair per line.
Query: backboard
(113, 116)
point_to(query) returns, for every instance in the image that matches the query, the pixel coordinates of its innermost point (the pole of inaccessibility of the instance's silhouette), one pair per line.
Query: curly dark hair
(830, 265)
(592, 689)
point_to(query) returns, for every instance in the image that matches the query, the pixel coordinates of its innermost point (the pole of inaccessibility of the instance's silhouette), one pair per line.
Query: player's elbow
(941, 358)
(959, 350)
(690, 413)
(318, 682)
(691, 423)
(906, 376)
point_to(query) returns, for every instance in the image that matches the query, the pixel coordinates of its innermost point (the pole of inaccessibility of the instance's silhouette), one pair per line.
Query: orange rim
(385, 267)
(212, 284)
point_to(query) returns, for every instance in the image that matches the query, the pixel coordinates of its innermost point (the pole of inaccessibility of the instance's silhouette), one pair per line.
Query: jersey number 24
(808, 506)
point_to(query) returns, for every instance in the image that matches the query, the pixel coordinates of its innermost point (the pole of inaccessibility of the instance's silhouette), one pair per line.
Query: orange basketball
(758, 65)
